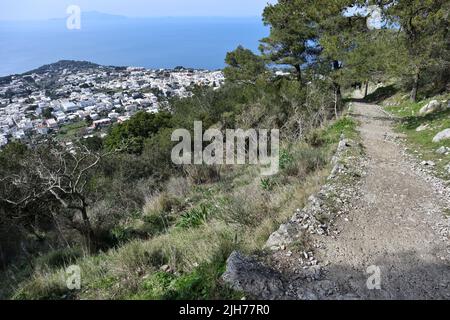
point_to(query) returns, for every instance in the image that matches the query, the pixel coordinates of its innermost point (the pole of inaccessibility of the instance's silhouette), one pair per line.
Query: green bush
(306, 160)
(285, 159)
(267, 184)
(316, 138)
(203, 283)
(194, 217)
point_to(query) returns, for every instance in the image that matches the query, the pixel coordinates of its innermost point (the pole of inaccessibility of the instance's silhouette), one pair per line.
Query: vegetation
(176, 247)
(421, 142)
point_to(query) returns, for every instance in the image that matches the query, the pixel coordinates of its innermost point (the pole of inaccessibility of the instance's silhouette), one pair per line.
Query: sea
(192, 42)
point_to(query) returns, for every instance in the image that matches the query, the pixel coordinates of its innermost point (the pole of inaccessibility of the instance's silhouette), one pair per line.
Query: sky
(48, 9)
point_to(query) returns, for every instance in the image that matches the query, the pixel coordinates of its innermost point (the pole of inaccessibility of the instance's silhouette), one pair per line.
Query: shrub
(156, 223)
(267, 184)
(307, 160)
(58, 258)
(121, 234)
(200, 174)
(160, 203)
(43, 287)
(247, 207)
(178, 187)
(194, 217)
(202, 283)
(315, 138)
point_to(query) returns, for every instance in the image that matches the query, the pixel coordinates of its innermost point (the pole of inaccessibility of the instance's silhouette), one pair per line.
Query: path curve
(395, 230)
(398, 224)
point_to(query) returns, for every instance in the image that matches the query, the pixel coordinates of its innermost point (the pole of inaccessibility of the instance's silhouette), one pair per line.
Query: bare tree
(58, 173)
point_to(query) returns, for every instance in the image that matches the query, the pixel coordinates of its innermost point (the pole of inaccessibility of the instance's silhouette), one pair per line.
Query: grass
(421, 142)
(72, 130)
(447, 213)
(194, 228)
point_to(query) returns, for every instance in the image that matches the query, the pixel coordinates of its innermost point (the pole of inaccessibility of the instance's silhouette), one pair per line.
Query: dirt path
(398, 225)
(395, 225)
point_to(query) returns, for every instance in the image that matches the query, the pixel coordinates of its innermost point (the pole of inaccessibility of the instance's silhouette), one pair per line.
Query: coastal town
(88, 98)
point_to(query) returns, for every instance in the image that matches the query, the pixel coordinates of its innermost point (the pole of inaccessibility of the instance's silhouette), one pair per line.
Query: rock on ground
(443, 135)
(431, 107)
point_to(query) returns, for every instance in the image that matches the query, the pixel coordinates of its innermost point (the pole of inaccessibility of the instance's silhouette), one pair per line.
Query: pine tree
(424, 27)
(243, 65)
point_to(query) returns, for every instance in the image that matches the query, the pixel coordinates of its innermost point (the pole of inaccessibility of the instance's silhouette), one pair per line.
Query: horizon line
(132, 17)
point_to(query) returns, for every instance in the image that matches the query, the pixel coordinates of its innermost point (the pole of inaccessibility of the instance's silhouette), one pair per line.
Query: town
(84, 98)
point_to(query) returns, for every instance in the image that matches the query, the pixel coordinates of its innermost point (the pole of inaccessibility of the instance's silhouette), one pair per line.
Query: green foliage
(424, 40)
(13, 150)
(345, 125)
(201, 284)
(121, 234)
(291, 34)
(89, 120)
(141, 126)
(194, 217)
(307, 160)
(47, 113)
(285, 159)
(93, 143)
(243, 65)
(371, 57)
(58, 258)
(410, 120)
(267, 184)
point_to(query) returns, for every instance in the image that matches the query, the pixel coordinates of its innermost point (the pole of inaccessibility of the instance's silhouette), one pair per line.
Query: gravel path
(398, 224)
(390, 241)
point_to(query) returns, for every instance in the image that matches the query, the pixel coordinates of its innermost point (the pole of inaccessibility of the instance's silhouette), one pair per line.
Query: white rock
(447, 167)
(428, 163)
(443, 135)
(423, 127)
(442, 150)
(165, 268)
(431, 107)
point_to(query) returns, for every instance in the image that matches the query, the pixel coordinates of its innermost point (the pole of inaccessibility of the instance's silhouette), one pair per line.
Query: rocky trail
(388, 240)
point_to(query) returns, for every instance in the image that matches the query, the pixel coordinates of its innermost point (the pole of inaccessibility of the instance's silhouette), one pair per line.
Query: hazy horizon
(29, 10)
(135, 17)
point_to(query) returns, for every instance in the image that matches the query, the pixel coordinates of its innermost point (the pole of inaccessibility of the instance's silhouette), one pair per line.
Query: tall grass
(198, 226)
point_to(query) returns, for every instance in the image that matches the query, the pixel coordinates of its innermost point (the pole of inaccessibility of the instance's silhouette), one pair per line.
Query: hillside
(314, 168)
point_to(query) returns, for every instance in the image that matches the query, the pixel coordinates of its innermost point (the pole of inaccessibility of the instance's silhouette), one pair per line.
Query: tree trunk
(298, 69)
(88, 233)
(335, 103)
(366, 90)
(337, 98)
(415, 87)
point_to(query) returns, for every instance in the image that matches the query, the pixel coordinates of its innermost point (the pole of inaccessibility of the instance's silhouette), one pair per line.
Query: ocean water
(109, 40)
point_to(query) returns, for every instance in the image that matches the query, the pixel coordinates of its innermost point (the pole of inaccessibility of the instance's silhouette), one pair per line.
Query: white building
(68, 106)
(51, 123)
(3, 141)
(19, 134)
